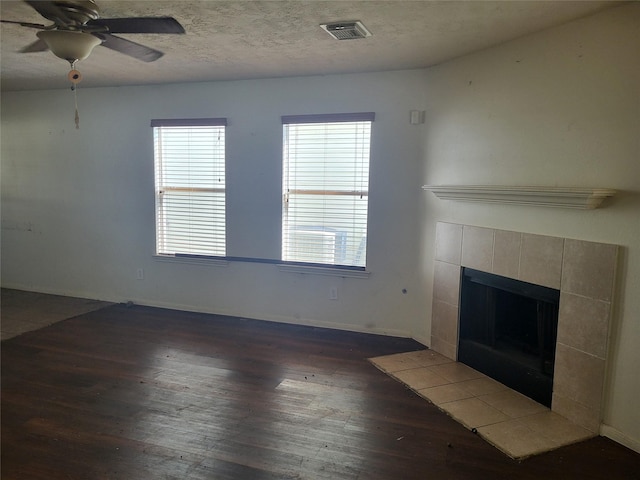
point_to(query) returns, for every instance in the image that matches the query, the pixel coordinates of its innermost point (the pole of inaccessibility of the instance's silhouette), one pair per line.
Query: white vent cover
(346, 30)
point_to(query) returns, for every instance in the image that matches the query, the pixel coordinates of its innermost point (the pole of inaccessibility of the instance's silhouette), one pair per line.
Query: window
(326, 188)
(190, 186)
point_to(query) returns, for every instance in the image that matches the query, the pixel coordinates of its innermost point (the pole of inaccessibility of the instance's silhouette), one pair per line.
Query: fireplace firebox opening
(508, 331)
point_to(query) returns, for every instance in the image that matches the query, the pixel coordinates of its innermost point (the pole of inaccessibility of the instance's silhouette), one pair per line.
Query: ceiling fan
(77, 28)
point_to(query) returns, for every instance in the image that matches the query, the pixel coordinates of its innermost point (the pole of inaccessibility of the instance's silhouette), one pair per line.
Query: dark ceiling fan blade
(50, 11)
(25, 24)
(139, 25)
(135, 50)
(37, 46)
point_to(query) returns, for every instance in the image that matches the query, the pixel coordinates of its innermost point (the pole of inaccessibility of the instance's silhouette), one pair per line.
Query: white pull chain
(75, 77)
(75, 98)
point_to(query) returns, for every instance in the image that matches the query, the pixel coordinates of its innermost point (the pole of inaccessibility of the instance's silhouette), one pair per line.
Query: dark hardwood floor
(144, 393)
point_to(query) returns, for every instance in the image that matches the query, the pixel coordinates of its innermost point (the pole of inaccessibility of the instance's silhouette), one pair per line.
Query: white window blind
(326, 188)
(190, 186)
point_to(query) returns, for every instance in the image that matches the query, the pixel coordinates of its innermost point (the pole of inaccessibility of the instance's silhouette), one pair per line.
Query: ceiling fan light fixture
(68, 44)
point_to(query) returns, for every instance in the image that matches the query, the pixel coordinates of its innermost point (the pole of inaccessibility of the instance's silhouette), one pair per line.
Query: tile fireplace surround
(584, 272)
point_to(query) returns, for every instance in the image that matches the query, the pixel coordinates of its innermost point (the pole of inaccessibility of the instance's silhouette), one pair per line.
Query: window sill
(225, 261)
(332, 272)
(204, 261)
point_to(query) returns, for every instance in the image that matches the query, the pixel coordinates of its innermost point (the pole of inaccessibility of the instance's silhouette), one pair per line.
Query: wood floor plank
(145, 393)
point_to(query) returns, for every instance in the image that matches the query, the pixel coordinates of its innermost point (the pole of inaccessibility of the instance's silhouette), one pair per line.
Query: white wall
(78, 205)
(558, 108)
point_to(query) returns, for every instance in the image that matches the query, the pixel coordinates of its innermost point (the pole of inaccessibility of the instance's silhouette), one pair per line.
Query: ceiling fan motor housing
(78, 11)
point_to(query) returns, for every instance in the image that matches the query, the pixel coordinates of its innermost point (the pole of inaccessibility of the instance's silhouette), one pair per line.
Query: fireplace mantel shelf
(567, 197)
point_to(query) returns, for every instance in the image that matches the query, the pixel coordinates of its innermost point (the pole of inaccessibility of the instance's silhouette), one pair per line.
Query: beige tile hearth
(513, 423)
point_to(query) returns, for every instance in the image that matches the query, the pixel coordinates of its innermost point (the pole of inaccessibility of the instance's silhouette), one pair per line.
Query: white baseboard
(621, 438)
(423, 340)
(349, 327)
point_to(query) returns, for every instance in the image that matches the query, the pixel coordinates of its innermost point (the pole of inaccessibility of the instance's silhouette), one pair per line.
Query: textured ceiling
(257, 39)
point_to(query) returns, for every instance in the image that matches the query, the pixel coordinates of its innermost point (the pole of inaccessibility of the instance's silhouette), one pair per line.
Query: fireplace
(583, 272)
(508, 331)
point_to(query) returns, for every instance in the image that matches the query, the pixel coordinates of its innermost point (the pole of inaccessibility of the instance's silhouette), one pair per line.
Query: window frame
(289, 265)
(160, 188)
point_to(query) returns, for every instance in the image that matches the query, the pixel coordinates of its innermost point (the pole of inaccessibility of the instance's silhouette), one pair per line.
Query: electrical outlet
(333, 293)
(140, 274)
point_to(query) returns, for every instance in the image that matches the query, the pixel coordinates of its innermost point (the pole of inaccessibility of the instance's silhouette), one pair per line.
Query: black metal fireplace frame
(525, 368)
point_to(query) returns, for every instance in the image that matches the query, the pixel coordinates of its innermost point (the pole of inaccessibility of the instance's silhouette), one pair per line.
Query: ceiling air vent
(346, 30)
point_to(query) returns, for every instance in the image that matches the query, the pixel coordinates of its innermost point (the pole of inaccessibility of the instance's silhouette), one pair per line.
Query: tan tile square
(448, 350)
(409, 360)
(578, 376)
(456, 372)
(425, 358)
(589, 269)
(419, 378)
(477, 248)
(515, 439)
(444, 393)
(541, 260)
(482, 386)
(513, 404)
(584, 324)
(446, 283)
(556, 428)
(473, 413)
(448, 242)
(444, 321)
(506, 253)
(576, 412)
(396, 363)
